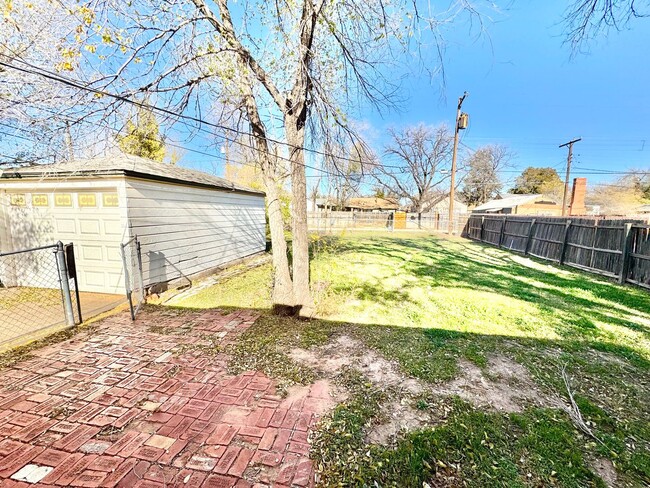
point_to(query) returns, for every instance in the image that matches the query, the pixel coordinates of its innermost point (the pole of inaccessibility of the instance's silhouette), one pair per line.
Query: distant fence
(616, 248)
(431, 221)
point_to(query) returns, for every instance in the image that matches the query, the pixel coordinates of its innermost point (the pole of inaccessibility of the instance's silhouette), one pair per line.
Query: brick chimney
(578, 193)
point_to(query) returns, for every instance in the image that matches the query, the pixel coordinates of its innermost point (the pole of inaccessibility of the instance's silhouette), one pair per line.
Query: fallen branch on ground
(574, 411)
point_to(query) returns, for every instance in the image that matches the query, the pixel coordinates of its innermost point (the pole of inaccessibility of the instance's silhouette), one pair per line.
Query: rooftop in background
(372, 203)
(360, 203)
(509, 201)
(125, 165)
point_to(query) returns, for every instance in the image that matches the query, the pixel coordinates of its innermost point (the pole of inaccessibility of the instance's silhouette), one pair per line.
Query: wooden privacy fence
(615, 248)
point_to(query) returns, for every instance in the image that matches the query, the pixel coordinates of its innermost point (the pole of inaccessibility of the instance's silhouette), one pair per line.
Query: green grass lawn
(429, 304)
(9, 297)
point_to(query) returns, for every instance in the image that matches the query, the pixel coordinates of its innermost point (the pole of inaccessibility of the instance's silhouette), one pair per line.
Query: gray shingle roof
(127, 165)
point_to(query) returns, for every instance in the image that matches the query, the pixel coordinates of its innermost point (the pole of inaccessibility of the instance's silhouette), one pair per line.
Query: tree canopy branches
(423, 157)
(586, 19)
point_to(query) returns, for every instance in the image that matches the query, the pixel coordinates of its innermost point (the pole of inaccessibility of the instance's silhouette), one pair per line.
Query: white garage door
(90, 219)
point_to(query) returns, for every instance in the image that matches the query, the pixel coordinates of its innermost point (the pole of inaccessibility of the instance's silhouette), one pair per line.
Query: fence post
(625, 257)
(593, 244)
(138, 249)
(480, 236)
(65, 285)
(564, 241)
(531, 230)
(127, 280)
(72, 272)
(502, 231)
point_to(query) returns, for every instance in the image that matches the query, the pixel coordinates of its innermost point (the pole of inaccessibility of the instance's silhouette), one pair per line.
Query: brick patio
(125, 406)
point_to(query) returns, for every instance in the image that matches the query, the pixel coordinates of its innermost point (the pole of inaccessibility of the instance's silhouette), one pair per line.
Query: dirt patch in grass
(399, 416)
(606, 470)
(345, 351)
(504, 385)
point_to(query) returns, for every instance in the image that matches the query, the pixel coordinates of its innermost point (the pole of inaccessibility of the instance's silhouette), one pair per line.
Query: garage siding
(185, 230)
(85, 218)
(5, 243)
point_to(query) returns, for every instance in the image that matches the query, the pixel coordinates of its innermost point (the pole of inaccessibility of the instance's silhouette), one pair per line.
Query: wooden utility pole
(568, 172)
(68, 142)
(452, 189)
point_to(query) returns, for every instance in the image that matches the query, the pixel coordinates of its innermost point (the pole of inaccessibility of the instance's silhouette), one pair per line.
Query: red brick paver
(127, 406)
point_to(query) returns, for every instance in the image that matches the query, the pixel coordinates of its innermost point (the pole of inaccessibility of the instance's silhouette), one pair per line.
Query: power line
(610, 172)
(17, 136)
(36, 70)
(178, 146)
(75, 84)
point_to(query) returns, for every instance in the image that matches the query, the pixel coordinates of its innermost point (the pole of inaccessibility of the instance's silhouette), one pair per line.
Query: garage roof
(126, 165)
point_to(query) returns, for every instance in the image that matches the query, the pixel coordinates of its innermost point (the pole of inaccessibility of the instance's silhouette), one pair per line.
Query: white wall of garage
(95, 228)
(185, 230)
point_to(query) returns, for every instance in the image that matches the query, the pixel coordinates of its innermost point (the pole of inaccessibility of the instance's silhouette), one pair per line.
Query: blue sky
(528, 93)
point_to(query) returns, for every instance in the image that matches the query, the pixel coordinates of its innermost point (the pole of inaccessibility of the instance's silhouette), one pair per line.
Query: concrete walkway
(125, 406)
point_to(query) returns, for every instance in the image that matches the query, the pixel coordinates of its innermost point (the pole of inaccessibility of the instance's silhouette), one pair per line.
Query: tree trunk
(282, 295)
(296, 138)
(283, 299)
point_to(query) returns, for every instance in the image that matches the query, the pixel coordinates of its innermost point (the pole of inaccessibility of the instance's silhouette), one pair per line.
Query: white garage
(187, 221)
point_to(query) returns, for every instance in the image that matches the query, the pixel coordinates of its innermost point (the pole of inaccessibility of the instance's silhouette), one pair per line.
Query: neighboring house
(644, 209)
(371, 204)
(321, 204)
(188, 221)
(521, 205)
(440, 205)
(360, 204)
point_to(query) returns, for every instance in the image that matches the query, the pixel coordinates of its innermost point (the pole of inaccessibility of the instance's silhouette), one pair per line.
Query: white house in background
(440, 205)
(188, 222)
(534, 204)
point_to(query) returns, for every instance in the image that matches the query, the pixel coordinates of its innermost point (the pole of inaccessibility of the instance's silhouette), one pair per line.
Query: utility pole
(68, 142)
(568, 172)
(452, 189)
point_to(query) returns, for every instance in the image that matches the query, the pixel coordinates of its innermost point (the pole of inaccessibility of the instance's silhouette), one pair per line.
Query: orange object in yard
(400, 220)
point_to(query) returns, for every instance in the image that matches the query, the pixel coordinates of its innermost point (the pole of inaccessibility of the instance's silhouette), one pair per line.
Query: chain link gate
(133, 279)
(39, 293)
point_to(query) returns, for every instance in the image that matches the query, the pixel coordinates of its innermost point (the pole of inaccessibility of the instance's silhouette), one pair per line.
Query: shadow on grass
(481, 267)
(538, 447)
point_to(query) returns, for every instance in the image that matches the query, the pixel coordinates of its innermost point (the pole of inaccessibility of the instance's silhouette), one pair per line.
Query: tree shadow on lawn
(536, 447)
(613, 393)
(481, 267)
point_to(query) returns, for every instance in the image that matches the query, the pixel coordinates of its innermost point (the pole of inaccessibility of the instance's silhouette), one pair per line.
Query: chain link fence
(38, 293)
(325, 221)
(133, 278)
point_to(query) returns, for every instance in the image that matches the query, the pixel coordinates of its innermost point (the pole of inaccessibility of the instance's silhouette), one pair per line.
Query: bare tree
(416, 164)
(347, 169)
(482, 182)
(586, 19)
(622, 196)
(288, 73)
(36, 30)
